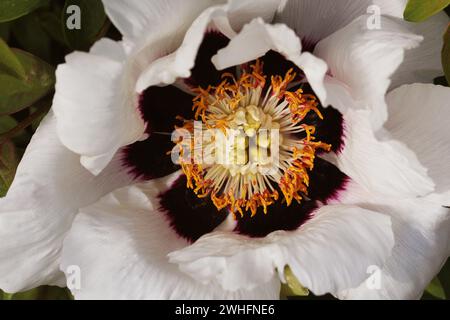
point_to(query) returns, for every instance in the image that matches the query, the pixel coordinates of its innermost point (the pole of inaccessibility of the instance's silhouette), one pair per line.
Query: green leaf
(51, 23)
(20, 138)
(7, 123)
(5, 31)
(446, 54)
(13, 9)
(31, 36)
(435, 289)
(15, 95)
(9, 61)
(420, 10)
(41, 293)
(92, 20)
(8, 165)
(293, 286)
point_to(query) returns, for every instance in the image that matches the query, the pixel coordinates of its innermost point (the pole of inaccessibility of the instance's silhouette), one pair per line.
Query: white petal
(241, 12)
(387, 167)
(365, 60)
(135, 19)
(257, 38)
(330, 252)
(423, 64)
(338, 95)
(254, 41)
(315, 70)
(96, 102)
(315, 20)
(179, 63)
(96, 108)
(111, 49)
(49, 187)
(421, 231)
(121, 244)
(418, 117)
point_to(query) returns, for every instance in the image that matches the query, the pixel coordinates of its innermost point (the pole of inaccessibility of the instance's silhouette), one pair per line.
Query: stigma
(249, 145)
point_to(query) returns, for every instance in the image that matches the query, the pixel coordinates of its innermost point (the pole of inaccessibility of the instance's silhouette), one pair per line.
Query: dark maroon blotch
(325, 181)
(204, 72)
(330, 129)
(278, 217)
(148, 159)
(190, 216)
(160, 106)
(275, 64)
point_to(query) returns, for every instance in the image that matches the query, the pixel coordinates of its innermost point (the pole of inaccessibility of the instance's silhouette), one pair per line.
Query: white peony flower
(364, 157)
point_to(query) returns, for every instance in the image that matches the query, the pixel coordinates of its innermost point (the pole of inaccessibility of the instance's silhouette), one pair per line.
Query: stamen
(251, 179)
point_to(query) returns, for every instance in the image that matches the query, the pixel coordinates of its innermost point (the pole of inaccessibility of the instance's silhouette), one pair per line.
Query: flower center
(251, 144)
(245, 146)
